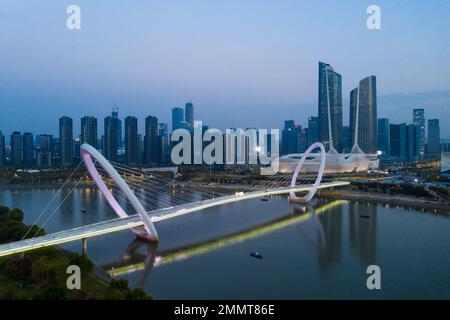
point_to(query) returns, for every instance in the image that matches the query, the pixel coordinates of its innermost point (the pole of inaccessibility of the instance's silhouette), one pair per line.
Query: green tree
(15, 214)
(137, 294)
(114, 294)
(82, 261)
(3, 210)
(42, 273)
(51, 292)
(119, 284)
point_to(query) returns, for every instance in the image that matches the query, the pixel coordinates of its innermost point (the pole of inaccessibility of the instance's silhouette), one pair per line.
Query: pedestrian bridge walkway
(134, 221)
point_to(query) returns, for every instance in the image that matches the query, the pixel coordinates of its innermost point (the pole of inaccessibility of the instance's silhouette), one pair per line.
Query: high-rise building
(434, 139)
(419, 120)
(346, 139)
(111, 138)
(177, 118)
(366, 97)
(189, 114)
(89, 131)
(151, 140)
(139, 150)
(132, 141)
(46, 142)
(302, 139)
(313, 130)
(28, 149)
(163, 143)
(16, 148)
(352, 122)
(398, 141)
(383, 136)
(330, 106)
(44, 159)
(77, 149)
(115, 115)
(66, 141)
(45, 151)
(2, 150)
(412, 142)
(290, 138)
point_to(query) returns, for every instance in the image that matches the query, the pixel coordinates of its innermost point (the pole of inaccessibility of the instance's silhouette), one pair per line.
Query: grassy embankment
(42, 274)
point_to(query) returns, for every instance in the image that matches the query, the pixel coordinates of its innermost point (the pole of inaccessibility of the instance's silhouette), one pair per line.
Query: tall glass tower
(16, 148)
(163, 143)
(89, 130)
(366, 96)
(434, 139)
(397, 141)
(28, 149)
(2, 149)
(189, 114)
(419, 121)
(111, 138)
(384, 136)
(151, 140)
(352, 122)
(313, 130)
(177, 118)
(66, 141)
(330, 106)
(132, 141)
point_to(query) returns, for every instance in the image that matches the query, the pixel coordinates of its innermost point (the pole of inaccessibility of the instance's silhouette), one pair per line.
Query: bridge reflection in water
(132, 261)
(142, 222)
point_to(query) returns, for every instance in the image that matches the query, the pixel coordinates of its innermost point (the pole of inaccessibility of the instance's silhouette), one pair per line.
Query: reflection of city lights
(213, 245)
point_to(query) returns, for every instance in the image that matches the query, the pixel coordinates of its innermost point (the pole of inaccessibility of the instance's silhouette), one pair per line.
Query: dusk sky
(242, 63)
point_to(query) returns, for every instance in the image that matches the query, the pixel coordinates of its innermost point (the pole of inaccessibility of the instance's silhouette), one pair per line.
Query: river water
(322, 251)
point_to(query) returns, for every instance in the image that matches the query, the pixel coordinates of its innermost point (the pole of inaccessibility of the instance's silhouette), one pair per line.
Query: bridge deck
(132, 221)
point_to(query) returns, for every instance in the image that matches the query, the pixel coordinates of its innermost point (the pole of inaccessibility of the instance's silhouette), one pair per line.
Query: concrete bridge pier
(84, 246)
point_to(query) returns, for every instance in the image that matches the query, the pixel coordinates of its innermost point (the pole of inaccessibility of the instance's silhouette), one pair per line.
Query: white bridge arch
(148, 231)
(87, 152)
(141, 224)
(313, 190)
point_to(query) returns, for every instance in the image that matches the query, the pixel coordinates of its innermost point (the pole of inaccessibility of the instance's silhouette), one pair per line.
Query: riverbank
(55, 185)
(355, 195)
(392, 200)
(43, 274)
(343, 194)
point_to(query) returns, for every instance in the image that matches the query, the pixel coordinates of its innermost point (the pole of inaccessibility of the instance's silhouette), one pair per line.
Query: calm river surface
(323, 253)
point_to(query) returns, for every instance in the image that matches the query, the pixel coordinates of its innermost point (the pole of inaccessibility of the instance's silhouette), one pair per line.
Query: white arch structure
(148, 231)
(88, 152)
(306, 198)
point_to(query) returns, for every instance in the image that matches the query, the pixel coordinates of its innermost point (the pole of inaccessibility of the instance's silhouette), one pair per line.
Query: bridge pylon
(148, 231)
(306, 198)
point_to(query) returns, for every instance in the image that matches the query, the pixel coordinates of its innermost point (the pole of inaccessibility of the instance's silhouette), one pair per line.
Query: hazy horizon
(242, 64)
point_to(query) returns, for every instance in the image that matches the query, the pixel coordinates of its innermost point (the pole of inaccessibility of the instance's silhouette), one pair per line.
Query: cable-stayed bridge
(153, 198)
(132, 261)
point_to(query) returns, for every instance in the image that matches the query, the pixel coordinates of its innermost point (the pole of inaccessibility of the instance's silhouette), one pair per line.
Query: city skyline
(145, 144)
(183, 119)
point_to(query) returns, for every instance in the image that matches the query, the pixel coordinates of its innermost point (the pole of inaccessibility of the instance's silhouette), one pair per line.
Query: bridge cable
(51, 201)
(59, 205)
